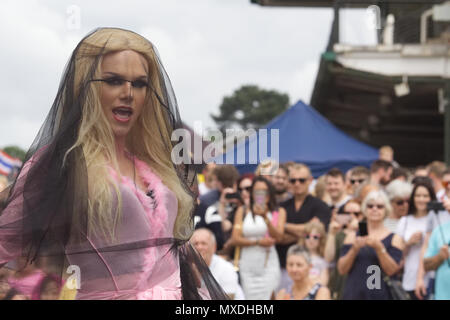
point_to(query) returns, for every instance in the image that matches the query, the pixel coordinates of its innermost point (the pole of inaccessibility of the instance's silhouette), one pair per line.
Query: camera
(435, 206)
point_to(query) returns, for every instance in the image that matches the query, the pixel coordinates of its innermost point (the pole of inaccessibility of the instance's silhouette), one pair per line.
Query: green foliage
(250, 107)
(15, 151)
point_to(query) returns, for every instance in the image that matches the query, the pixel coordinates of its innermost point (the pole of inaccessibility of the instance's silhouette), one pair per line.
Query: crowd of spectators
(343, 235)
(280, 233)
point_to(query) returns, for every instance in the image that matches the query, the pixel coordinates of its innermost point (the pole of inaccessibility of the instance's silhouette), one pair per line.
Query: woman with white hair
(398, 192)
(366, 257)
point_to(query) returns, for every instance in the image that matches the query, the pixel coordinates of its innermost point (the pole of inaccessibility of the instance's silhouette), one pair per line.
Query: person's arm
(345, 263)
(387, 263)
(434, 262)
(420, 289)
(324, 277)
(226, 224)
(278, 231)
(330, 244)
(236, 234)
(295, 229)
(287, 239)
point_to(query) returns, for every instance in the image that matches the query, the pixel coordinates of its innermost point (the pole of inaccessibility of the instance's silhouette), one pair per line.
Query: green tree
(15, 151)
(250, 107)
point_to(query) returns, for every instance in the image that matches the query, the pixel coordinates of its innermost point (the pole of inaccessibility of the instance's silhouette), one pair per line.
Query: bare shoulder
(398, 242)
(323, 293)
(239, 215)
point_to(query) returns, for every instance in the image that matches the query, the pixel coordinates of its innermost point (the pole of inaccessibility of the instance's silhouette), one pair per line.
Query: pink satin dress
(138, 264)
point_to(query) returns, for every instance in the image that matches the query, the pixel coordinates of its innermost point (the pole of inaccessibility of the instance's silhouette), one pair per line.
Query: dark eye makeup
(118, 81)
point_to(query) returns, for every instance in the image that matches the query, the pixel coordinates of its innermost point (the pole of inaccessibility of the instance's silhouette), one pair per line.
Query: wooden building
(396, 92)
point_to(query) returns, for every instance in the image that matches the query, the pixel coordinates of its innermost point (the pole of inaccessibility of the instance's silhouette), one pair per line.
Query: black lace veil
(45, 209)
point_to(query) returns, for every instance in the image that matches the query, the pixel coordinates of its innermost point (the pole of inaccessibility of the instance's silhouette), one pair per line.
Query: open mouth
(122, 114)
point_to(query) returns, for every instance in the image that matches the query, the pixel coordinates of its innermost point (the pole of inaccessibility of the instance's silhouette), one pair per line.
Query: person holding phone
(412, 229)
(245, 187)
(216, 209)
(255, 230)
(363, 253)
(438, 214)
(341, 225)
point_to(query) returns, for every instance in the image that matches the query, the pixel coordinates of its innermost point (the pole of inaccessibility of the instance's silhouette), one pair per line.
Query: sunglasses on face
(356, 213)
(301, 180)
(400, 202)
(310, 236)
(353, 181)
(379, 206)
(248, 189)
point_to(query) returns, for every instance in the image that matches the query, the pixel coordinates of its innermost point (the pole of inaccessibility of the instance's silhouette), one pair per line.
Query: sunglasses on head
(301, 180)
(379, 206)
(248, 189)
(353, 181)
(315, 237)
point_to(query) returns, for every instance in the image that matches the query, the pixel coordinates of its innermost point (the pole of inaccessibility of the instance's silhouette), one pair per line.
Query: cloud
(208, 47)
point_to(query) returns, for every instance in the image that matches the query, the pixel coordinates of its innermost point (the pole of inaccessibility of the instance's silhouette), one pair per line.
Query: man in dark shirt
(215, 212)
(301, 209)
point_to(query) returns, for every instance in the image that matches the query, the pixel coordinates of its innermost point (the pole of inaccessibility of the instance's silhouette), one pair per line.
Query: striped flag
(8, 163)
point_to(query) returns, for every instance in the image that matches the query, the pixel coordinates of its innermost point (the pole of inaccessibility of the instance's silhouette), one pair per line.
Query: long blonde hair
(319, 228)
(96, 139)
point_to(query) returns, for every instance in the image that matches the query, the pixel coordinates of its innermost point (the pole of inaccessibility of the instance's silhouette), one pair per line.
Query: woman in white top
(412, 229)
(255, 230)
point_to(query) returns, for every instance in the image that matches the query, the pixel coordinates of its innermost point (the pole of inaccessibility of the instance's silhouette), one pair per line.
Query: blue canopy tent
(305, 136)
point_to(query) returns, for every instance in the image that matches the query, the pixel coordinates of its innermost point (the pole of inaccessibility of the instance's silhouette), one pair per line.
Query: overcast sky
(208, 47)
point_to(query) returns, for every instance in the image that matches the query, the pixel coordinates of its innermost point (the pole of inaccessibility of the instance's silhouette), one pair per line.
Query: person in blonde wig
(99, 197)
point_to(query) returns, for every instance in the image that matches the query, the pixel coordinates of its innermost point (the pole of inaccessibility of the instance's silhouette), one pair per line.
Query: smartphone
(343, 219)
(235, 195)
(435, 206)
(362, 226)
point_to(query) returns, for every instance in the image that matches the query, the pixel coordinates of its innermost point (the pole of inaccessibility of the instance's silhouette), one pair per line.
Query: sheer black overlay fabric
(44, 213)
